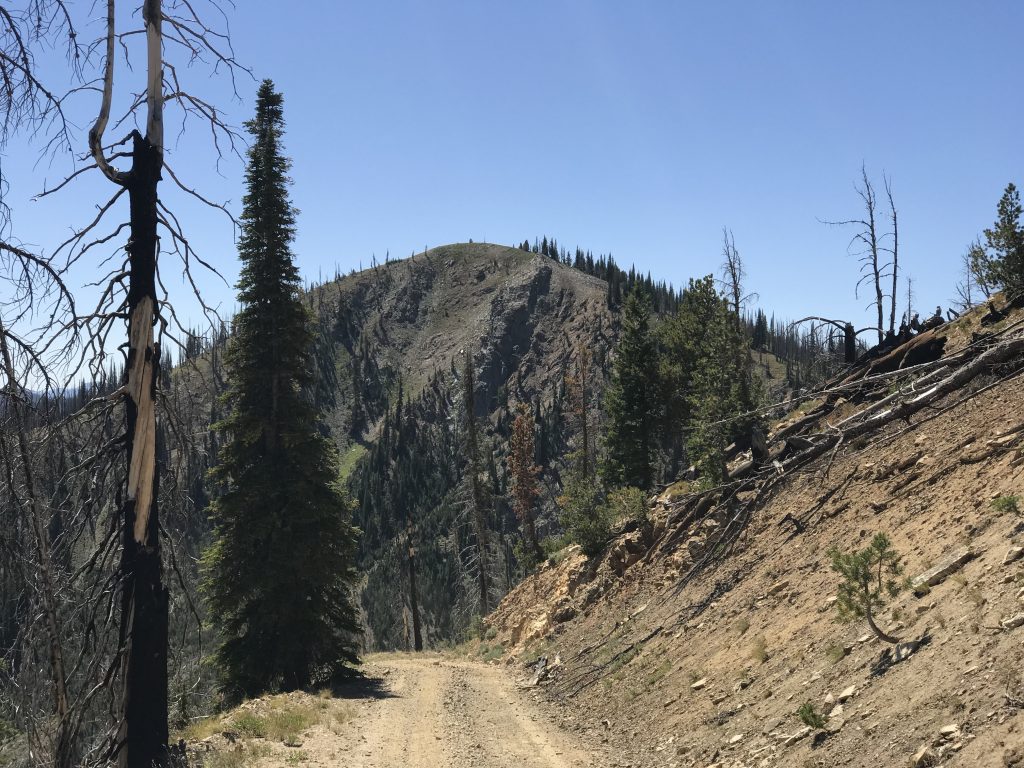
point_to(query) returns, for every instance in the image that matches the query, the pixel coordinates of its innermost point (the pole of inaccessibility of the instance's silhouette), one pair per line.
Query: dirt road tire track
(438, 713)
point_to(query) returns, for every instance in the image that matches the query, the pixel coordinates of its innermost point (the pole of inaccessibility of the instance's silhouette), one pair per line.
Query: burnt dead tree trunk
(895, 253)
(144, 598)
(576, 385)
(142, 733)
(64, 737)
(417, 637)
(870, 244)
(872, 258)
(849, 344)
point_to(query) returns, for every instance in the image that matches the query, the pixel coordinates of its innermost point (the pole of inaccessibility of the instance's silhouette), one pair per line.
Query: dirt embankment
(710, 670)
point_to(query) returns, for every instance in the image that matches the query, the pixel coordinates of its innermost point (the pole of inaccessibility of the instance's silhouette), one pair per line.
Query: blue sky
(638, 128)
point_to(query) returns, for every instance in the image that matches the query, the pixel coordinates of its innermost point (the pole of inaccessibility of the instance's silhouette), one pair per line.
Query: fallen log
(926, 347)
(995, 355)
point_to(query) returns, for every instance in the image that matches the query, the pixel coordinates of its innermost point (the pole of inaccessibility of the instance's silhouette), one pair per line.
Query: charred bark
(143, 735)
(417, 637)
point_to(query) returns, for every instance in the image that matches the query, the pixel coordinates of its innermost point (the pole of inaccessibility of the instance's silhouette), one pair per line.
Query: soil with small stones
(429, 711)
(440, 712)
(711, 671)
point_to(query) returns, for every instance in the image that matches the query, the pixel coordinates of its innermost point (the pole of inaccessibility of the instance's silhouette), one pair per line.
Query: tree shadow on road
(360, 686)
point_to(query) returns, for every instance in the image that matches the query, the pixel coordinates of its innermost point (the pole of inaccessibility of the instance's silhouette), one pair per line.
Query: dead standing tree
(868, 244)
(35, 282)
(414, 608)
(733, 275)
(523, 472)
(132, 292)
(894, 254)
(35, 300)
(142, 735)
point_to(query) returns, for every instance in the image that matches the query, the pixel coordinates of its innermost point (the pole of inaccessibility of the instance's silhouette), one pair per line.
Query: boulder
(564, 613)
(1013, 621)
(1013, 554)
(626, 552)
(793, 738)
(947, 566)
(924, 757)
(695, 547)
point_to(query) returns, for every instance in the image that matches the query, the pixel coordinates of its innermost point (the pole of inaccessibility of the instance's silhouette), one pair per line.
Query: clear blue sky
(640, 128)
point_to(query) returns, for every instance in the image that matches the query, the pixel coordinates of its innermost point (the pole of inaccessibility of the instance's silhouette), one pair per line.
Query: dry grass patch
(202, 729)
(263, 727)
(759, 649)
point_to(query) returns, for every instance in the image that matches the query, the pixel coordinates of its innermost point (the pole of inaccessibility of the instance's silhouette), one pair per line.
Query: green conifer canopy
(278, 576)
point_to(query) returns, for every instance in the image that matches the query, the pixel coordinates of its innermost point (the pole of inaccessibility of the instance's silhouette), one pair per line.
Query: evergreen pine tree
(631, 401)
(580, 510)
(1005, 241)
(278, 576)
(479, 502)
(707, 379)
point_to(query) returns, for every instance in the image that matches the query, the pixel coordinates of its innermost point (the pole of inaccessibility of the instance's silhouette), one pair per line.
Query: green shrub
(629, 504)
(7, 731)
(475, 630)
(251, 725)
(493, 654)
(835, 653)
(554, 547)
(525, 556)
(1004, 504)
(285, 725)
(585, 519)
(226, 760)
(809, 716)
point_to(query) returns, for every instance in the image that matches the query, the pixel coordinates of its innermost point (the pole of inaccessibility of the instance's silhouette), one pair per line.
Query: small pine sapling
(869, 577)
(810, 716)
(1006, 504)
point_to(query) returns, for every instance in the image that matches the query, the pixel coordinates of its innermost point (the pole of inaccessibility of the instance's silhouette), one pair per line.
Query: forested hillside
(400, 335)
(389, 350)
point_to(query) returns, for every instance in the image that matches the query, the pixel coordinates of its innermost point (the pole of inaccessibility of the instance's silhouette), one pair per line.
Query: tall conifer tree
(1005, 242)
(631, 400)
(478, 496)
(278, 575)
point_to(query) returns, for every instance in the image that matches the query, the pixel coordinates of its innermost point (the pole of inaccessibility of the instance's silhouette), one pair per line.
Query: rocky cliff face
(519, 314)
(393, 341)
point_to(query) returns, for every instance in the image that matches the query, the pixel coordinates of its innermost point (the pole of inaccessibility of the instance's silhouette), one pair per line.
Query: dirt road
(435, 712)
